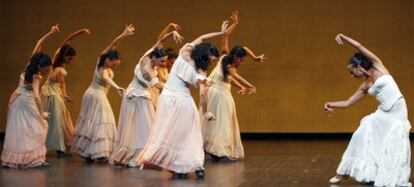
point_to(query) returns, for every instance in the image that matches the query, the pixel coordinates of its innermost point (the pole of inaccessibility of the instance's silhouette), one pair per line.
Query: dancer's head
(158, 56)
(359, 65)
(172, 56)
(66, 56)
(110, 59)
(203, 55)
(235, 59)
(39, 63)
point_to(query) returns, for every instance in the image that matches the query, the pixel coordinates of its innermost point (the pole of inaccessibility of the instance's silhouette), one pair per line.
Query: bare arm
(41, 41)
(167, 28)
(108, 79)
(129, 30)
(36, 92)
(237, 77)
(357, 96)
(62, 83)
(242, 89)
(340, 38)
(225, 37)
(258, 58)
(69, 39)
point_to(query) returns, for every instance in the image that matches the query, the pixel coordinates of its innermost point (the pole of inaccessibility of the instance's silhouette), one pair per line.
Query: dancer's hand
(120, 91)
(55, 28)
(209, 116)
(339, 39)
(177, 37)
(251, 90)
(261, 58)
(45, 115)
(87, 31)
(175, 26)
(129, 30)
(68, 99)
(242, 91)
(328, 108)
(224, 26)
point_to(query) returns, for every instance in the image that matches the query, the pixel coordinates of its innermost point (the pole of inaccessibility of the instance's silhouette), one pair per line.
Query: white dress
(135, 120)
(379, 150)
(175, 141)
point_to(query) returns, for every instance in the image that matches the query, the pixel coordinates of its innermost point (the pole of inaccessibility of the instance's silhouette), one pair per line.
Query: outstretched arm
(357, 96)
(341, 38)
(225, 37)
(241, 80)
(129, 30)
(41, 41)
(69, 39)
(259, 58)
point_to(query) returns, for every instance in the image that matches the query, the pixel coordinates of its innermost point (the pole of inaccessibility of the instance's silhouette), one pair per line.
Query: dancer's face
(45, 70)
(112, 63)
(237, 61)
(159, 61)
(356, 72)
(69, 59)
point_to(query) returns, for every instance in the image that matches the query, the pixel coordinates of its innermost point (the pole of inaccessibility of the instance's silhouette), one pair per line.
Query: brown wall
(304, 69)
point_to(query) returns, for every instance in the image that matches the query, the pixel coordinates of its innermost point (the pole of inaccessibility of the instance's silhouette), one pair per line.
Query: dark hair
(171, 53)
(111, 55)
(359, 59)
(37, 61)
(158, 53)
(236, 52)
(201, 54)
(64, 51)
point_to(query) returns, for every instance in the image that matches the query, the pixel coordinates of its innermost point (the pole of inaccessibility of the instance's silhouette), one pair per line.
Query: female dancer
(222, 136)
(175, 141)
(95, 129)
(137, 111)
(24, 145)
(54, 93)
(379, 150)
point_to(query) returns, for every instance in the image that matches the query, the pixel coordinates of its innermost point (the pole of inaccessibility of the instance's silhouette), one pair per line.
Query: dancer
(379, 150)
(222, 136)
(95, 128)
(175, 141)
(54, 94)
(137, 111)
(24, 144)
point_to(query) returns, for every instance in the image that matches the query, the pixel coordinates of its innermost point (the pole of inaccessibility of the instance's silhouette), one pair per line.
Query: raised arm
(160, 42)
(241, 80)
(167, 28)
(258, 58)
(129, 30)
(41, 41)
(357, 96)
(69, 39)
(225, 37)
(341, 38)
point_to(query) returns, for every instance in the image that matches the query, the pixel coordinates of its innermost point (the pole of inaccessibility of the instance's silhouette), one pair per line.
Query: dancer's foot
(336, 179)
(62, 154)
(88, 160)
(200, 174)
(103, 159)
(179, 175)
(215, 158)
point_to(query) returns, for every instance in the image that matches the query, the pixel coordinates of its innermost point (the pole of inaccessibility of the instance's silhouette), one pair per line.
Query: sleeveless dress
(379, 150)
(24, 144)
(175, 141)
(95, 128)
(60, 132)
(222, 136)
(135, 120)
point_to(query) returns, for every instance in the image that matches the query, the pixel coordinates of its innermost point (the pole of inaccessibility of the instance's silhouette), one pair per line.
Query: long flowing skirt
(24, 144)
(175, 141)
(222, 136)
(135, 120)
(95, 128)
(60, 132)
(379, 150)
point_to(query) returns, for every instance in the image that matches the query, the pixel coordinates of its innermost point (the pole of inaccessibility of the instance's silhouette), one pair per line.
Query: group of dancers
(161, 127)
